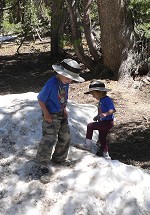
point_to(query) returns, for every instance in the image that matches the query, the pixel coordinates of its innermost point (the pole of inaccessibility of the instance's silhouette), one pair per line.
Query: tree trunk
(117, 37)
(2, 5)
(16, 12)
(76, 36)
(94, 62)
(88, 30)
(57, 27)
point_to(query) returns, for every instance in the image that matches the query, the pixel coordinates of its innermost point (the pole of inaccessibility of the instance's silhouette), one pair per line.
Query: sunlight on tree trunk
(117, 34)
(88, 31)
(76, 36)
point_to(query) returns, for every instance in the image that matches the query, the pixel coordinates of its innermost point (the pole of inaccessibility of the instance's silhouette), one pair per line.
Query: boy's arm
(47, 115)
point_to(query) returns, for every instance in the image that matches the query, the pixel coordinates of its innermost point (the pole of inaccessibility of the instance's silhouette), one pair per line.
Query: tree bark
(117, 36)
(76, 36)
(2, 5)
(57, 27)
(16, 12)
(88, 30)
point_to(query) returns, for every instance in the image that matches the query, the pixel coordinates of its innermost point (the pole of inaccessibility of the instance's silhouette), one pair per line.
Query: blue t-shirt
(54, 94)
(106, 104)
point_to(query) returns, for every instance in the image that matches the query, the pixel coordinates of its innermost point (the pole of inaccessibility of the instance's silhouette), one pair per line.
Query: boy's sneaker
(63, 162)
(45, 174)
(106, 156)
(38, 172)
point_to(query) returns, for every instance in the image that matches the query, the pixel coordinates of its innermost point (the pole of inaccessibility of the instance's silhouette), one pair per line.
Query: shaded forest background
(108, 39)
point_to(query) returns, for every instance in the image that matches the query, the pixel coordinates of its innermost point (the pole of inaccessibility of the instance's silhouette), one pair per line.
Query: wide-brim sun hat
(97, 86)
(70, 69)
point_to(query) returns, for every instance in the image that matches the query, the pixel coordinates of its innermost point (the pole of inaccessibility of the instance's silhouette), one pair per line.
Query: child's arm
(110, 112)
(47, 115)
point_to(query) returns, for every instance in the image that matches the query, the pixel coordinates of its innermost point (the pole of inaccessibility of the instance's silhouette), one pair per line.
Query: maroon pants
(103, 127)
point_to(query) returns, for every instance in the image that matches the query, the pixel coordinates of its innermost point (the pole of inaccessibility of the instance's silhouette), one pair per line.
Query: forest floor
(129, 140)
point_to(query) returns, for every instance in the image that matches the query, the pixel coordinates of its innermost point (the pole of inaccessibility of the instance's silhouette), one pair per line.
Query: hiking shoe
(44, 170)
(106, 156)
(99, 153)
(83, 146)
(63, 162)
(45, 174)
(98, 143)
(34, 170)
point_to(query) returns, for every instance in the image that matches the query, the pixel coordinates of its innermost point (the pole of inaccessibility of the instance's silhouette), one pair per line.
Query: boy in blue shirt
(104, 120)
(52, 99)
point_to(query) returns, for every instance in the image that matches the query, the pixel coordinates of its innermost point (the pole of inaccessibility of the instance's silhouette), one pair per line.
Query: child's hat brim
(97, 86)
(97, 89)
(70, 69)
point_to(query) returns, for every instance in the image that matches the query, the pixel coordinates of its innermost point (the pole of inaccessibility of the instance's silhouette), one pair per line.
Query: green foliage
(144, 28)
(94, 12)
(141, 14)
(34, 17)
(30, 18)
(37, 16)
(77, 43)
(11, 28)
(45, 15)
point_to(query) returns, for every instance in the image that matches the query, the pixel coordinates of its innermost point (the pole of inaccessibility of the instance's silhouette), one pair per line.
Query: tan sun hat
(98, 86)
(70, 69)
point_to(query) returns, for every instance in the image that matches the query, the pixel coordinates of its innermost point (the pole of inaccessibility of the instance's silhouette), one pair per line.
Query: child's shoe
(45, 174)
(106, 156)
(63, 162)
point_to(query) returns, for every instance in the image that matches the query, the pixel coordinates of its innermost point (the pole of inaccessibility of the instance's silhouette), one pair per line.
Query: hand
(48, 117)
(102, 115)
(107, 113)
(95, 118)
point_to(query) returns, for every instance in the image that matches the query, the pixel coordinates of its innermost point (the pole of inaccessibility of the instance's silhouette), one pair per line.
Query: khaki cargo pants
(55, 141)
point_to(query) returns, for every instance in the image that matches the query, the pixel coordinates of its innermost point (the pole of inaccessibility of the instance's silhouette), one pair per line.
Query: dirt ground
(129, 140)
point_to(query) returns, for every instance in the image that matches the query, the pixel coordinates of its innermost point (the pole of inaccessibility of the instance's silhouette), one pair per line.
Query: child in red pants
(104, 120)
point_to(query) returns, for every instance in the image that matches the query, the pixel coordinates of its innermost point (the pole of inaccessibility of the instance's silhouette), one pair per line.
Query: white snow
(93, 186)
